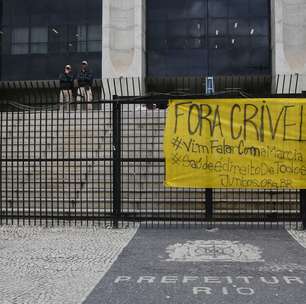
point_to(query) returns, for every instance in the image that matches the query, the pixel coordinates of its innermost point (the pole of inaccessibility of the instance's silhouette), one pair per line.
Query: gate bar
(303, 207)
(209, 204)
(116, 162)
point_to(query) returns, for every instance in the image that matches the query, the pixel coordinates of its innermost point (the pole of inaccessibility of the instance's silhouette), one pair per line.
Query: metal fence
(104, 164)
(31, 93)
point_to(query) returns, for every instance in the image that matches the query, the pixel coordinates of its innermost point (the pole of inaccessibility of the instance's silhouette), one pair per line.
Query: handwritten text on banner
(236, 143)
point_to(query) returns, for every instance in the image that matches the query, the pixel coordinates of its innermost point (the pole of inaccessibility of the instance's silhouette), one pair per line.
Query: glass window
(219, 61)
(238, 8)
(81, 38)
(185, 62)
(94, 38)
(218, 8)
(259, 58)
(238, 42)
(157, 29)
(208, 36)
(40, 37)
(196, 28)
(195, 43)
(259, 41)
(89, 38)
(259, 26)
(39, 40)
(177, 28)
(156, 63)
(218, 43)
(157, 44)
(20, 41)
(196, 8)
(240, 57)
(5, 40)
(259, 8)
(239, 27)
(177, 43)
(217, 27)
(58, 39)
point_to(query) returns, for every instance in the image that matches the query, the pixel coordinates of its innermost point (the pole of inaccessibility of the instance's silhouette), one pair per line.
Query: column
(123, 41)
(288, 31)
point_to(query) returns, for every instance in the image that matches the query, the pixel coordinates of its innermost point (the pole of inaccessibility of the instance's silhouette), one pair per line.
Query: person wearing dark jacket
(85, 80)
(66, 85)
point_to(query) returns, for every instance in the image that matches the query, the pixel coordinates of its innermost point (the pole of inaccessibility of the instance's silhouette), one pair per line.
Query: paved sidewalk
(130, 266)
(55, 265)
(208, 267)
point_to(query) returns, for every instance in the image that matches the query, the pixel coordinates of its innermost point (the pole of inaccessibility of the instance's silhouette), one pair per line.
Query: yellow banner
(236, 143)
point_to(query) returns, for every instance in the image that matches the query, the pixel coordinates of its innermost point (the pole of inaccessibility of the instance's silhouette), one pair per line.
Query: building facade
(153, 37)
(39, 37)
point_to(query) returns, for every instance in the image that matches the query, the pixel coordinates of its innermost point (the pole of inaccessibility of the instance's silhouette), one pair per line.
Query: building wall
(126, 31)
(186, 37)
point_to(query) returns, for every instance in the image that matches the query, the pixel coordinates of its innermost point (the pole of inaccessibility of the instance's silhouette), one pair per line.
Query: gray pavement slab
(238, 266)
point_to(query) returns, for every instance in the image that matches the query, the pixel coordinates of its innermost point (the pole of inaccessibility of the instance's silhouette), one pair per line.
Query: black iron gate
(103, 164)
(140, 194)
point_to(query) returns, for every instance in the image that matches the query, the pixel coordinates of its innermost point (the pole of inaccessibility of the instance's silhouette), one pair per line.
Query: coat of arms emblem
(214, 250)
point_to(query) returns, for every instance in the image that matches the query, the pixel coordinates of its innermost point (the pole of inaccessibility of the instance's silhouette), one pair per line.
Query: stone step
(89, 193)
(54, 126)
(76, 134)
(131, 136)
(77, 114)
(60, 154)
(74, 143)
(145, 190)
(94, 171)
(147, 207)
(75, 140)
(44, 152)
(60, 139)
(132, 192)
(76, 123)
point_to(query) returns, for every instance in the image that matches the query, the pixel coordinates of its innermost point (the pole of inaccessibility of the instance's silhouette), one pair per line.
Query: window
(20, 41)
(39, 40)
(217, 37)
(58, 39)
(89, 38)
(39, 37)
(25, 41)
(81, 38)
(94, 38)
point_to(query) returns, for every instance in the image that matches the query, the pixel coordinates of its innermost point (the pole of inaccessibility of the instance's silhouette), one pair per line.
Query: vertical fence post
(303, 207)
(116, 162)
(208, 204)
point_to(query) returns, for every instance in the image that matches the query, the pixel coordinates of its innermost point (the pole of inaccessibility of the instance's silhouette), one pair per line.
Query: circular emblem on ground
(214, 250)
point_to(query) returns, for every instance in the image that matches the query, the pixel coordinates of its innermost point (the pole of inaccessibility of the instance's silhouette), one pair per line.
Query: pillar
(288, 31)
(123, 41)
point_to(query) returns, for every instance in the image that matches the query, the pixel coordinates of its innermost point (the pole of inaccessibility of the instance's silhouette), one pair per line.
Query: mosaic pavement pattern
(55, 265)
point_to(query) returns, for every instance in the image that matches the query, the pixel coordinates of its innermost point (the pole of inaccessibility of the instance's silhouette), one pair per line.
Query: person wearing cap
(85, 80)
(66, 85)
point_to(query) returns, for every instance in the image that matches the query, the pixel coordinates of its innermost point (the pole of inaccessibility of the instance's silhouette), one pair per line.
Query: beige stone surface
(288, 29)
(123, 42)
